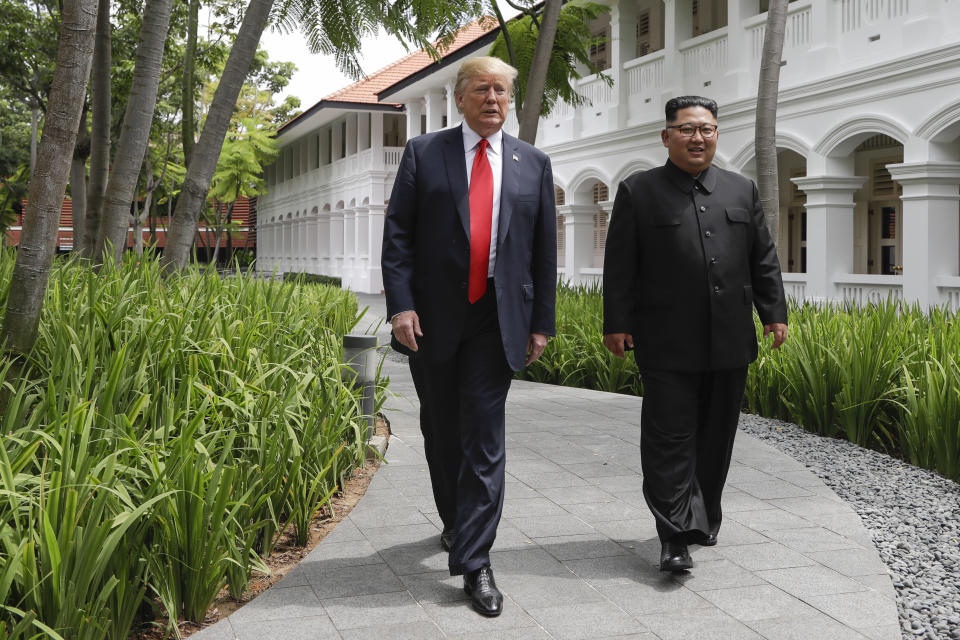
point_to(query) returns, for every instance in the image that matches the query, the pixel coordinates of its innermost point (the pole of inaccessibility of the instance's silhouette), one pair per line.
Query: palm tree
(765, 145)
(122, 185)
(42, 216)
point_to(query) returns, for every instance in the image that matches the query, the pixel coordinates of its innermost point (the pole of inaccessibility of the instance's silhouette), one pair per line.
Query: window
(598, 51)
(643, 33)
(600, 193)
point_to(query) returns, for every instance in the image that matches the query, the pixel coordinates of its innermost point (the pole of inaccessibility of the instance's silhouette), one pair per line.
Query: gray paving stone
(353, 581)
(551, 526)
(814, 626)
(772, 489)
(617, 485)
(629, 531)
(527, 633)
(813, 506)
(732, 533)
(510, 538)
(535, 591)
(612, 570)
(716, 574)
(588, 545)
(586, 621)
(851, 562)
(384, 537)
(369, 517)
(736, 501)
(575, 495)
(707, 624)
(279, 604)
(766, 555)
(410, 631)
(343, 554)
(374, 610)
(459, 618)
(757, 602)
(659, 595)
(219, 631)
(596, 512)
(859, 610)
(343, 532)
(769, 520)
(800, 478)
(812, 539)
(805, 582)
(314, 628)
(434, 587)
(415, 558)
(883, 632)
(881, 583)
(547, 480)
(531, 507)
(597, 469)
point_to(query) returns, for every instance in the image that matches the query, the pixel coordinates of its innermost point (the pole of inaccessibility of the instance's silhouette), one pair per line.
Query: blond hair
(484, 64)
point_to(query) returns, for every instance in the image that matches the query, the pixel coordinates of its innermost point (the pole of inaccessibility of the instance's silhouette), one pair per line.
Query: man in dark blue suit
(469, 268)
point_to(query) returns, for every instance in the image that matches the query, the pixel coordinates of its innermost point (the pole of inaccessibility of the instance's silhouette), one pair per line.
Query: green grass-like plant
(159, 437)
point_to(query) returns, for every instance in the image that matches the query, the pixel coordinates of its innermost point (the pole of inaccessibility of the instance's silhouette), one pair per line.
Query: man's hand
(535, 346)
(617, 343)
(406, 326)
(779, 330)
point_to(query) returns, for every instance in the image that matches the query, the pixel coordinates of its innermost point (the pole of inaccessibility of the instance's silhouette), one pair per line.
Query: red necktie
(481, 215)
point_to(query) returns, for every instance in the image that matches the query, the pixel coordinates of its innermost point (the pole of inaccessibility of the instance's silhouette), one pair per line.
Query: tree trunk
(537, 78)
(42, 217)
(765, 145)
(203, 160)
(135, 133)
(34, 135)
(138, 226)
(100, 101)
(78, 179)
(187, 124)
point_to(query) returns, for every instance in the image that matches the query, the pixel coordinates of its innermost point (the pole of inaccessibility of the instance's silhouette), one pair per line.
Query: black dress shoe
(447, 537)
(704, 539)
(674, 556)
(482, 589)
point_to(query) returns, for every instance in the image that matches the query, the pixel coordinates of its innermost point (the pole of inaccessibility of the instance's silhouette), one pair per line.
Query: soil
(286, 555)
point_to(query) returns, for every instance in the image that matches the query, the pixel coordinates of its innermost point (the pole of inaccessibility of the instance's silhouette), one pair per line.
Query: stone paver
(576, 551)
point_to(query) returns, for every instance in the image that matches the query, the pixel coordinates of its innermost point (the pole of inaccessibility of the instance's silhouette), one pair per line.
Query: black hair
(683, 102)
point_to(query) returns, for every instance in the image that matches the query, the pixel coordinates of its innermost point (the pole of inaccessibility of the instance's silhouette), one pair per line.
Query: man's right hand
(616, 343)
(406, 327)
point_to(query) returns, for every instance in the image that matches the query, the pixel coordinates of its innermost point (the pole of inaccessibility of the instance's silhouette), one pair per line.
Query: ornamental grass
(162, 436)
(882, 376)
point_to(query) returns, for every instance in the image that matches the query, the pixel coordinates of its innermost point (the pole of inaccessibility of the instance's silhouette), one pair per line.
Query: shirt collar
(471, 138)
(707, 178)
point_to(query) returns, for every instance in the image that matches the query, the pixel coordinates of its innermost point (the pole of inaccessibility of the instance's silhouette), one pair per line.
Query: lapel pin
(516, 158)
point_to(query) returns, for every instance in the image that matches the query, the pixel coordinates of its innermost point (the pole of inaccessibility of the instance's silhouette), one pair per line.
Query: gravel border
(912, 514)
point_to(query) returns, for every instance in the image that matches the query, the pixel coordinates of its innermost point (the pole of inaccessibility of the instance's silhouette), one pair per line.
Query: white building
(868, 137)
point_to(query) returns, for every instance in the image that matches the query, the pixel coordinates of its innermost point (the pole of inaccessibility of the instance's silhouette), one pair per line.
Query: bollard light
(359, 354)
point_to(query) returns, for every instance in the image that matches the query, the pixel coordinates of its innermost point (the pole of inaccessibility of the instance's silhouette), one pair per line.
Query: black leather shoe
(482, 589)
(447, 537)
(704, 540)
(674, 556)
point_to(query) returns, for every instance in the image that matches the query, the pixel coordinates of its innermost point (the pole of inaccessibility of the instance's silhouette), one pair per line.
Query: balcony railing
(862, 289)
(706, 54)
(645, 74)
(797, 30)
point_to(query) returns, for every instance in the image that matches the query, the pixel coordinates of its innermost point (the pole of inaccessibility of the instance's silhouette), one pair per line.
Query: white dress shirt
(495, 156)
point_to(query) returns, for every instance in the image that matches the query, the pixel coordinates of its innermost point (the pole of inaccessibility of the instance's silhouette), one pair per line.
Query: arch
(581, 185)
(942, 126)
(353, 202)
(289, 215)
(339, 205)
(844, 138)
(366, 200)
(326, 207)
(785, 140)
(640, 164)
(314, 211)
(297, 214)
(273, 219)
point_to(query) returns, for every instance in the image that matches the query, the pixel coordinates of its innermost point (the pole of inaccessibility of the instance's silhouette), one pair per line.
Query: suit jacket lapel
(508, 185)
(455, 161)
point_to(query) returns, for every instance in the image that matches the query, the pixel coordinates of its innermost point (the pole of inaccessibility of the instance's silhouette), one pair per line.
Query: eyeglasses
(689, 130)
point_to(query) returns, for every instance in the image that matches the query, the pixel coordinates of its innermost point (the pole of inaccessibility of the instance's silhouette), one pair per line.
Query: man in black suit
(688, 256)
(469, 268)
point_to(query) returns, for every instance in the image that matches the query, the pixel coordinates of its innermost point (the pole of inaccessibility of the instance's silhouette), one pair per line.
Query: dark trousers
(462, 420)
(688, 422)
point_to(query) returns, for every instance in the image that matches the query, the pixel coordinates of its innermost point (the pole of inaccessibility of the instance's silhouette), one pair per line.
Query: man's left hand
(535, 346)
(779, 331)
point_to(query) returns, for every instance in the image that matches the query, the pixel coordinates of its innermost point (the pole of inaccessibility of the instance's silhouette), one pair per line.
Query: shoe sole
(683, 566)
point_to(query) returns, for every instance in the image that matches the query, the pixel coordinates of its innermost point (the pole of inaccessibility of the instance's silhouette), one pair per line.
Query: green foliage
(884, 376)
(161, 437)
(570, 47)
(240, 166)
(312, 278)
(12, 192)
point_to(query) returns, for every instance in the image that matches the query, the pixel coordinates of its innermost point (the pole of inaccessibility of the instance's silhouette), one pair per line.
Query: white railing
(796, 32)
(595, 90)
(795, 286)
(645, 74)
(705, 54)
(949, 292)
(856, 14)
(392, 155)
(862, 289)
(560, 110)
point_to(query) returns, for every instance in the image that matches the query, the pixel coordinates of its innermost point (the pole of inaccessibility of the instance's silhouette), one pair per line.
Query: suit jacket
(426, 244)
(686, 261)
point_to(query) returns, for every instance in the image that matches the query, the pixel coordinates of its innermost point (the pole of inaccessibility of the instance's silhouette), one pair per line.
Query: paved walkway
(576, 552)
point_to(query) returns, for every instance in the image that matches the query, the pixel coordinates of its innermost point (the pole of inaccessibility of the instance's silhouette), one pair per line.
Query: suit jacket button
(702, 208)
(713, 261)
(716, 289)
(707, 234)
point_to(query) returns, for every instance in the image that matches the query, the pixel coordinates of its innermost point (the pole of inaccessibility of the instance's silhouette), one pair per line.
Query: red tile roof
(365, 91)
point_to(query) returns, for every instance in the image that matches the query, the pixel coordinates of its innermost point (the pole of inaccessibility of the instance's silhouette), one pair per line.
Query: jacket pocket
(738, 215)
(527, 290)
(747, 294)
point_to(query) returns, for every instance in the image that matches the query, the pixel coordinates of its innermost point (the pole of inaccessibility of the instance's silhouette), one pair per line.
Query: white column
(349, 246)
(672, 69)
(352, 134)
(324, 243)
(931, 226)
(414, 109)
(375, 215)
(336, 142)
(363, 130)
(313, 258)
(336, 243)
(361, 272)
(829, 230)
(578, 232)
(434, 100)
(824, 34)
(738, 77)
(376, 137)
(623, 46)
(452, 114)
